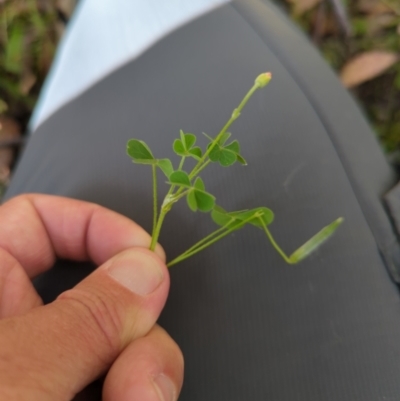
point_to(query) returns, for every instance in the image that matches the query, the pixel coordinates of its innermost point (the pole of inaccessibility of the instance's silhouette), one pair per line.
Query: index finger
(35, 229)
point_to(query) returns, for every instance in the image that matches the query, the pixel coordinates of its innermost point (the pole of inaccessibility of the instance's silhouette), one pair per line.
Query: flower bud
(263, 79)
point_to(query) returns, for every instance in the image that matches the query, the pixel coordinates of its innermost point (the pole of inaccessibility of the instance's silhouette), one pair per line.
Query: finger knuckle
(98, 315)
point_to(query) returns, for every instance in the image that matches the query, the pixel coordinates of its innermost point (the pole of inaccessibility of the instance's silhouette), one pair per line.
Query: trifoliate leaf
(184, 146)
(178, 147)
(138, 150)
(166, 166)
(313, 243)
(191, 201)
(180, 178)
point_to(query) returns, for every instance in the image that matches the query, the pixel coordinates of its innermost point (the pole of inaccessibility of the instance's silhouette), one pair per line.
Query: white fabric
(103, 35)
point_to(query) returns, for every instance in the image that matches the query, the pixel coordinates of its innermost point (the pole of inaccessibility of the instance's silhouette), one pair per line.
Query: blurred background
(360, 39)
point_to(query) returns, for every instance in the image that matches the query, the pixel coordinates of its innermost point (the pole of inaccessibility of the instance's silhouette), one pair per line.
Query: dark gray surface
(250, 327)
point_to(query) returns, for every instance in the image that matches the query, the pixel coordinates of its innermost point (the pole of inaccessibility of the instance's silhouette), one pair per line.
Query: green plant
(190, 185)
(29, 33)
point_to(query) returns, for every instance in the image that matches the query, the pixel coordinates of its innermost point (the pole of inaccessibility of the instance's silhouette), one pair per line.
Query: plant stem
(165, 208)
(198, 247)
(207, 238)
(185, 255)
(181, 163)
(156, 232)
(154, 170)
(274, 244)
(234, 116)
(201, 164)
(171, 190)
(201, 168)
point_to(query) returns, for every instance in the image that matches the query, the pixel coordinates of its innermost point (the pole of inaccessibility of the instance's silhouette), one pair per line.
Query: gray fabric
(368, 171)
(250, 327)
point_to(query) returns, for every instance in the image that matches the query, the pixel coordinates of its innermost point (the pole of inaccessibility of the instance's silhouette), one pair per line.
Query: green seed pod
(317, 240)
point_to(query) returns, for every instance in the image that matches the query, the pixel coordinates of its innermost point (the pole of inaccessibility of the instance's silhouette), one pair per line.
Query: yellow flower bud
(263, 79)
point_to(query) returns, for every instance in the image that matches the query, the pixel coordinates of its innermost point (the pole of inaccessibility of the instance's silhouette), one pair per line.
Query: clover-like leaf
(139, 151)
(314, 242)
(184, 146)
(166, 166)
(225, 155)
(180, 178)
(199, 199)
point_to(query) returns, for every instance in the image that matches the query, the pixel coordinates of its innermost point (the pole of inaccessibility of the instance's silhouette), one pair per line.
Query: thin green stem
(154, 170)
(165, 208)
(181, 163)
(234, 116)
(207, 238)
(172, 188)
(274, 244)
(198, 248)
(156, 232)
(185, 255)
(197, 172)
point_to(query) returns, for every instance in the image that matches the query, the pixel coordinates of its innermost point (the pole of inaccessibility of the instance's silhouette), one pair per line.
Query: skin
(106, 325)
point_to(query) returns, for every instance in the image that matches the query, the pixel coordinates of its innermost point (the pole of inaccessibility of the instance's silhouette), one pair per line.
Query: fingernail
(140, 273)
(165, 388)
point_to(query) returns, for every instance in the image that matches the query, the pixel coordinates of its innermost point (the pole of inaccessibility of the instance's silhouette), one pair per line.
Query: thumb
(54, 351)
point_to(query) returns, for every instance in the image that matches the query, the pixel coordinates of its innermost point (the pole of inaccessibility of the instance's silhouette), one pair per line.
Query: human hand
(106, 324)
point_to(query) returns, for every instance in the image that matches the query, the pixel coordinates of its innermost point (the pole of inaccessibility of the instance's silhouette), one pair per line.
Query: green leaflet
(185, 146)
(166, 166)
(180, 178)
(138, 150)
(141, 154)
(198, 198)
